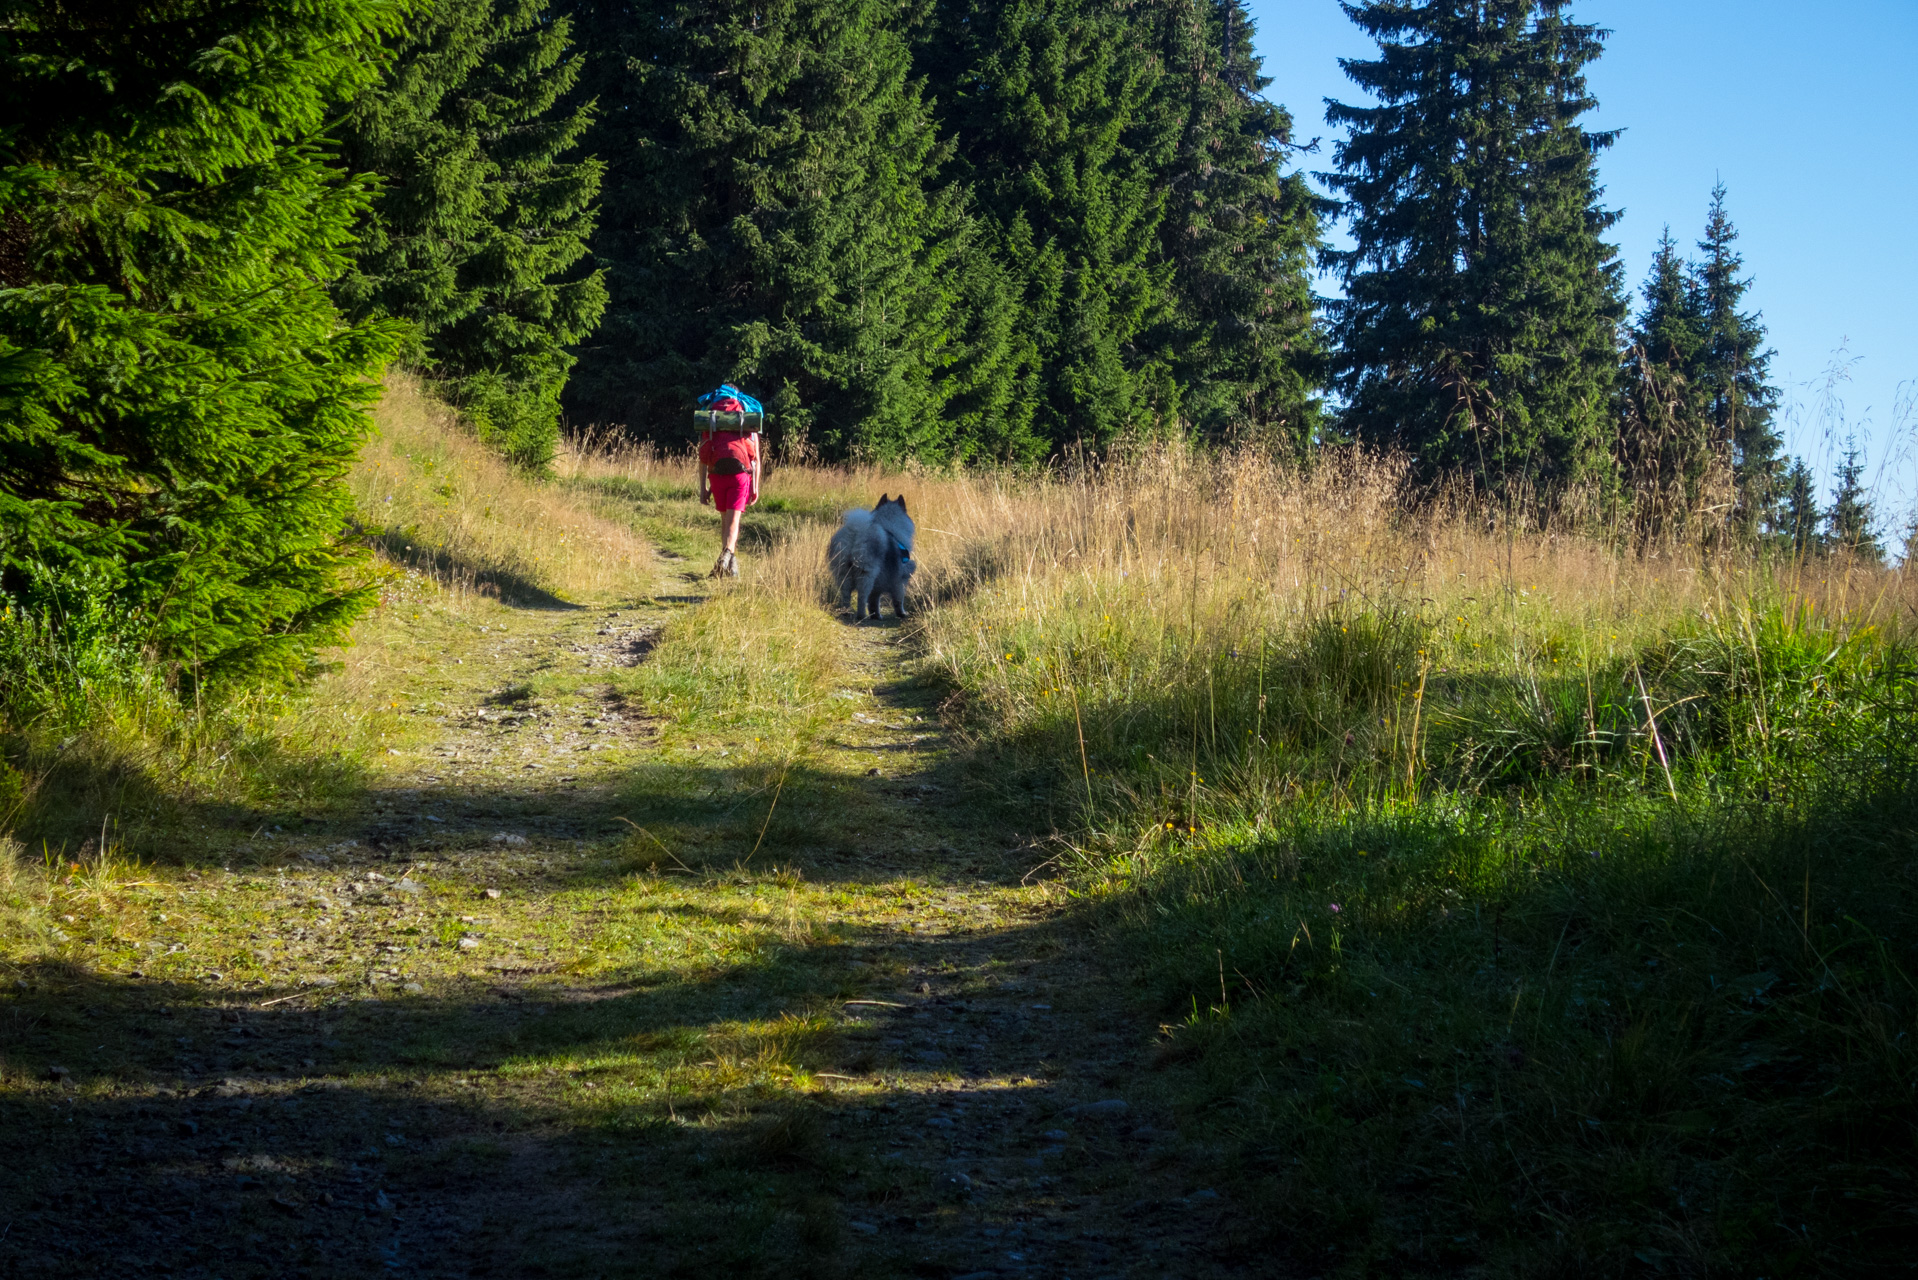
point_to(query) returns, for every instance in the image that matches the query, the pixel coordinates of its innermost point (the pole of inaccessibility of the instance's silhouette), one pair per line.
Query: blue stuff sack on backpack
(728, 409)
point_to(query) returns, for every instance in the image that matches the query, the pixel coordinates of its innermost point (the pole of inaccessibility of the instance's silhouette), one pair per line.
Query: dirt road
(559, 993)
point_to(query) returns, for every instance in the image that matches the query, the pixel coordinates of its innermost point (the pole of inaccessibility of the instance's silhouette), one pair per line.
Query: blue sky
(1809, 113)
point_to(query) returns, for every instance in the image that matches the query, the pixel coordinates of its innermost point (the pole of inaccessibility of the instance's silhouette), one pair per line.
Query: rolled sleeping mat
(709, 420)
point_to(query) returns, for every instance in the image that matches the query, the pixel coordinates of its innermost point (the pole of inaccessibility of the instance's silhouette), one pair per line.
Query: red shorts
(730, 493)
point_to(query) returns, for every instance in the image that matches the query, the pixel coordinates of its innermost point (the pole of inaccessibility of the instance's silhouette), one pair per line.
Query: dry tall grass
(1166, 554)
(1122, 581)
(1180, 537)
(1184, 538)
(436, 499)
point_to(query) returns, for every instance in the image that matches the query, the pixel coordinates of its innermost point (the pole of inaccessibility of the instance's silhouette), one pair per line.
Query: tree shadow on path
(885, 1100)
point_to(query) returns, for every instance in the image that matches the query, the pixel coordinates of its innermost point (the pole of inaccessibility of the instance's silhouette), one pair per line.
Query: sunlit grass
(112, 739)
(435, 498)
(1515, 899)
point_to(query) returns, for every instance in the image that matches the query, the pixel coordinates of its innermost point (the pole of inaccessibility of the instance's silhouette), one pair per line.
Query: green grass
(1502, 905)
(97, 741)
(1581, 956)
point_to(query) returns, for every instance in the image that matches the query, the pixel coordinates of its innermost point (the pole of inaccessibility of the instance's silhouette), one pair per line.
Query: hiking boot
(732, 564)
(719, 567)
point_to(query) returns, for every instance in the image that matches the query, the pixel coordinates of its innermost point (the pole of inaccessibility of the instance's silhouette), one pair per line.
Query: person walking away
(728, 465)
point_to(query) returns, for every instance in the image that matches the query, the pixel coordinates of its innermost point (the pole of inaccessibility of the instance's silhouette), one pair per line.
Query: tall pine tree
(484, 213)
(1665, 443)
(1732, 373)
(179, 398)
(1239, 332)
(770, 219)
(1478, 330)
(1799, 517)
(1850, 521)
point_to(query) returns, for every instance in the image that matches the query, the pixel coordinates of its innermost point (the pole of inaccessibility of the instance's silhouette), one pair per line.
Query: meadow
(1465, 894)
(1513, 897)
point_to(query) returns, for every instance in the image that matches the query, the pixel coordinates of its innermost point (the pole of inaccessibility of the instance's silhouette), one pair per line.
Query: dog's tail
(856, 517)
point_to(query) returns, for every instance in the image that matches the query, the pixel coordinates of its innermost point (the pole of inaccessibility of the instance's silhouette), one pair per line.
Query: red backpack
(729, 421)
(727, 453)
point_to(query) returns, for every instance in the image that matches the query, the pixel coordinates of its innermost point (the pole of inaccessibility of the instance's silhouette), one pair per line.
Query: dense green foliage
(982, 231)
(178, 396)
(1239, 333)
(1733, 373)
(483, 212)
(1477, 327)
(1668, 454)
(1799, 514)
(1850, 521)
(1046, 100)
(771, 218)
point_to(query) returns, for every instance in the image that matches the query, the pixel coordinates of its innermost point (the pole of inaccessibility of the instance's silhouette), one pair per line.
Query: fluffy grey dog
(870, 555)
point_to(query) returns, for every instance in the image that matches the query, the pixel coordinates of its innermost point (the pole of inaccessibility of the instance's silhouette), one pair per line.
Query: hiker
(729, 421)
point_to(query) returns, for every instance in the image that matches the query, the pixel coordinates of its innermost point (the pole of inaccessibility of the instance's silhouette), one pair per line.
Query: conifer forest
(1390, 766)
(940, 232)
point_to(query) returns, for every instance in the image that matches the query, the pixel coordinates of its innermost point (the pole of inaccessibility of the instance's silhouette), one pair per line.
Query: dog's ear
(902, 505)
(880, 503)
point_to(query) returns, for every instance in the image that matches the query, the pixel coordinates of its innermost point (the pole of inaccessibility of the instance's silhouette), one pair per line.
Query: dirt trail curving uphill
(525, 1007)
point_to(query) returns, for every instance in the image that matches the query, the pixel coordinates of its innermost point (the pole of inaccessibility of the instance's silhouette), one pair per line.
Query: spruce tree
(1239, 333)
(1851, 519)
(1799, 518)
(1732, 373)
(1665, 443)
(484, 212)
(179, 397)
(1478, 326)
(770, 218)
(1671, 328)
(1050, 107)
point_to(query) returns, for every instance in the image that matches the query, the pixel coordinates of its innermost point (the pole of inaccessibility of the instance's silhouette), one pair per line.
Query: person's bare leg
(729, 531)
